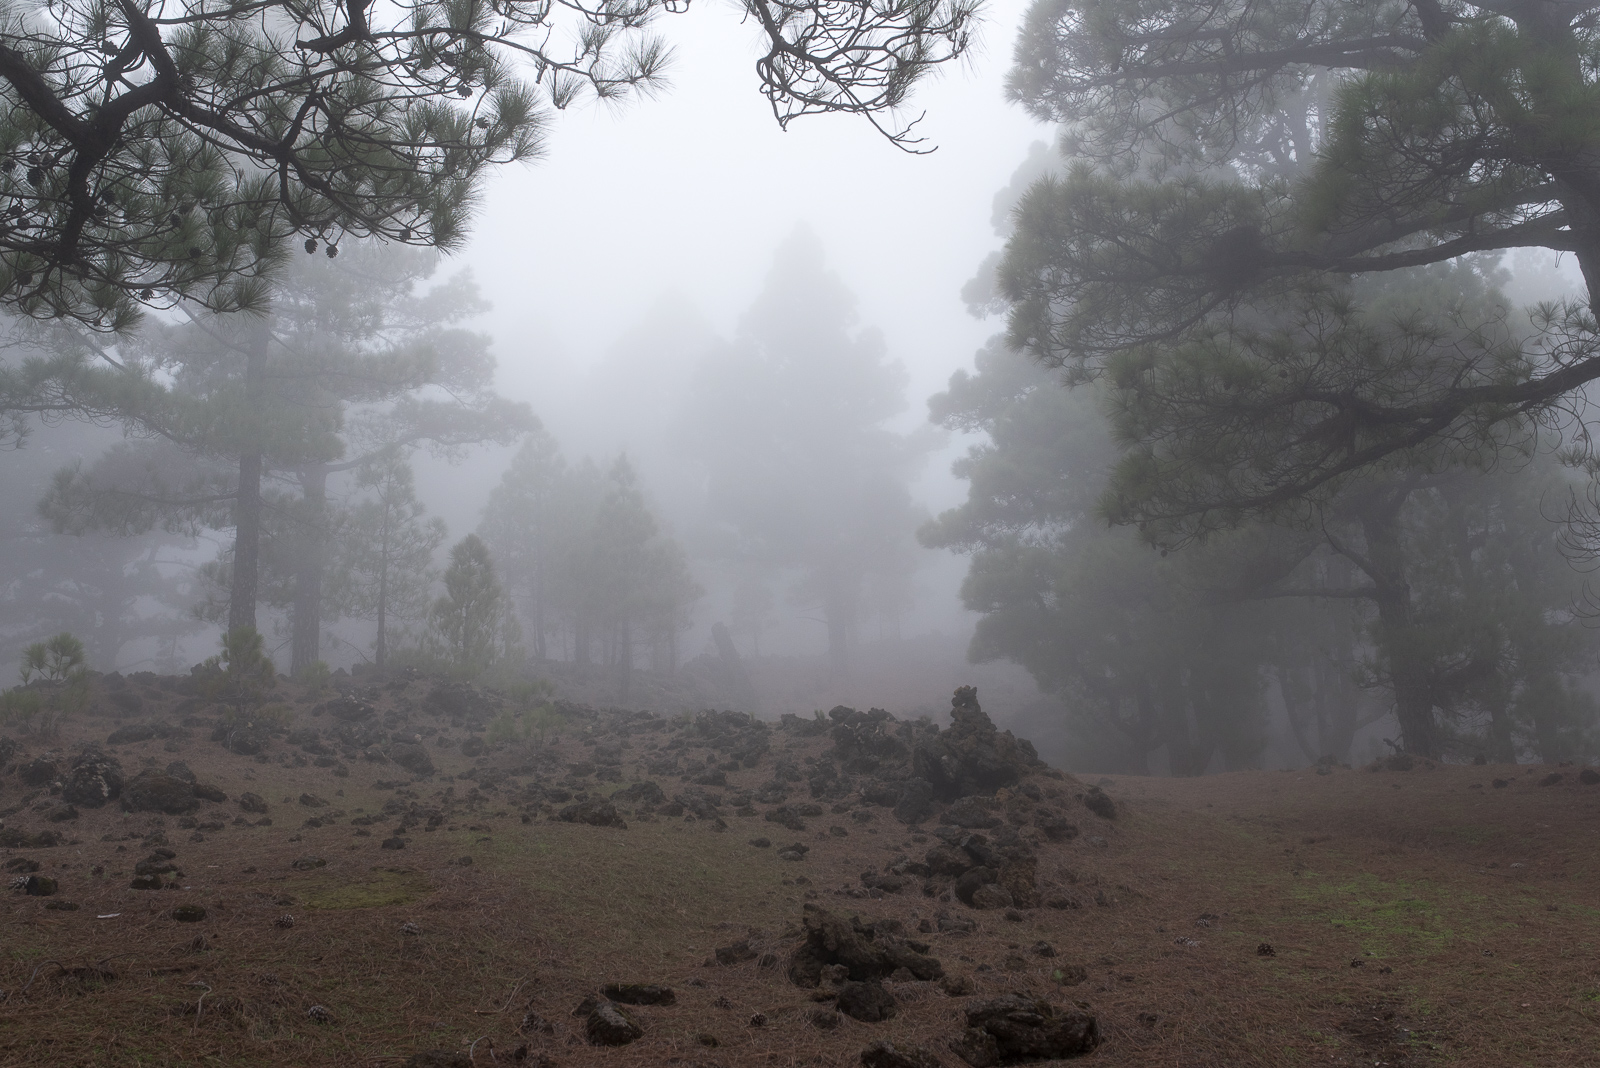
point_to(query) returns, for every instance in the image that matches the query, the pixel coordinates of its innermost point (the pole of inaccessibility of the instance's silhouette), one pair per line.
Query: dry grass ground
(1415, 918)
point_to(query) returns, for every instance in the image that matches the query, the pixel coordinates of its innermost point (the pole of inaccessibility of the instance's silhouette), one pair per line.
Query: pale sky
(692, 192)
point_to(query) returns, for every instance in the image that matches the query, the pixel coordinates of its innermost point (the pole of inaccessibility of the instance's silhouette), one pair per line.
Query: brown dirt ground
(1415, 918)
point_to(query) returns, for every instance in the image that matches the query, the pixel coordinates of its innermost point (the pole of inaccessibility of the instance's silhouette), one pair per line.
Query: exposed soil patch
(905, 878)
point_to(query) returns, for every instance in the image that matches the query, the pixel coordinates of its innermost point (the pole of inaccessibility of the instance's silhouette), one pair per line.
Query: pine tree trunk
(306, 639)
(1396, 634)
(380, 648)
(246, 543)
(247, 503)
(625, 660)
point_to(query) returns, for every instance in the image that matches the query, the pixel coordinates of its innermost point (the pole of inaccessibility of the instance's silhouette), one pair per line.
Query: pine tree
(468, 620)
(158, 152)
(384, 551)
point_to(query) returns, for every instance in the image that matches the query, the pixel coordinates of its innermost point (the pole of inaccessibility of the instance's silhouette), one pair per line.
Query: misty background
(731, 336)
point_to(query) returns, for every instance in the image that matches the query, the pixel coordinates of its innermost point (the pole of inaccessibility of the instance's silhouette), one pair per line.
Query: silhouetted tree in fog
(789, 422)
(353, 359)
(383, 564)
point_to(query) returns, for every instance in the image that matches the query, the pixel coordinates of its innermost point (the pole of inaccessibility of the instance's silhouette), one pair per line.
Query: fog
(699, 415)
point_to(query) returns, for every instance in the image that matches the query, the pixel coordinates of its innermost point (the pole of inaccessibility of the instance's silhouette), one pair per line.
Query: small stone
(319, 1014)
(868, 1002)
(189, 913)
(609, 1025)
(308, 863)
(393, 843)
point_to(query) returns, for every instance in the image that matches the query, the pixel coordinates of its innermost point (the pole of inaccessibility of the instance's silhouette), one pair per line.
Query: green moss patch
(376, 889)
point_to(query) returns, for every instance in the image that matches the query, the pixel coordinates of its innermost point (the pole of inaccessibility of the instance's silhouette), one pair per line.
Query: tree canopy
(159, 150)
(1239, 169)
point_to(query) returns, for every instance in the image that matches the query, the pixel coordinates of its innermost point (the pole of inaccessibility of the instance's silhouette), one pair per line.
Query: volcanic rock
(898, 1055)
(971, 756)
(595, 812)
(865, 952)
(412, 757)
(156, 791)
(1028, 1029)
(868, 1001)
(609, 1025)
(133, 732)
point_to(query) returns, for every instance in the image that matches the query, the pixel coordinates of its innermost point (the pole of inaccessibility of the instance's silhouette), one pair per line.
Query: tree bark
(247, 502)
(1396, 635)
(306, 637)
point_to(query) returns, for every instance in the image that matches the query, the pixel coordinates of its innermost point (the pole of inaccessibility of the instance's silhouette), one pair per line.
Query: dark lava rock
(1096, 801)
(737, 953)
(761, 843)
(609, 1025)
(700, 803)
(971, 756)
(145, 882)
(308, 862)
(972, 880)
(189, 913)
(868, 1002)
(786, 816)
(977, 1047)
(22, 864)
(62, 906)
(40, 772)
(1589, 777)
(39, 886)
(1551, 779)
(898, 1055)
(252, 802)
(863, 740)
(179, 770)
(140, 732)
(392, 843)
(413, 758)
(595, 812)
(1055, 826)
(350, 708)
(865, 952)
(916, 801)
(640, 994)
(313, 801)
(949, 860)
(947, 924)
(246, 741)
(971, 813)
(991, 896)
(207, 792)
(56, 811)
(533, 1023)
(156, 791)
(16, 838)
(640, 793)
(1026, 1029)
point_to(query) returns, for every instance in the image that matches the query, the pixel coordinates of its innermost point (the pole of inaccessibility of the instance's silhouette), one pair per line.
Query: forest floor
(1353, 917)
